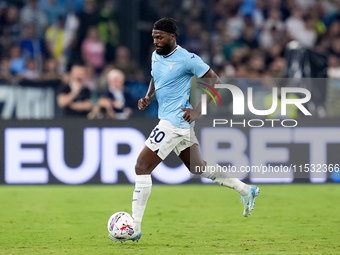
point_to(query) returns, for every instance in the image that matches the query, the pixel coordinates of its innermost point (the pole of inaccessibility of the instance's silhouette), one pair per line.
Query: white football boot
(249, 199)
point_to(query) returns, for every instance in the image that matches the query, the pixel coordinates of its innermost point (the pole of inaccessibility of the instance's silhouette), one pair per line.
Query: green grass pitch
(187, 219)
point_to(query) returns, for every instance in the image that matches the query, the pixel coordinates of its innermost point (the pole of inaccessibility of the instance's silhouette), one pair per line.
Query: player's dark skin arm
(144, 102)
(191, 115)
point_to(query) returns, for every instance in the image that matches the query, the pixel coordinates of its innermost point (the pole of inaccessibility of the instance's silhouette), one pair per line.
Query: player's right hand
(143, 103)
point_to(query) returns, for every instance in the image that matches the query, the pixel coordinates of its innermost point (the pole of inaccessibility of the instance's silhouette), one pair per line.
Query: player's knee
(141, 169)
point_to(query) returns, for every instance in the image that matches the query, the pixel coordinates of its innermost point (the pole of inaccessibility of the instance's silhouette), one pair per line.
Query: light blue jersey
(172, 78)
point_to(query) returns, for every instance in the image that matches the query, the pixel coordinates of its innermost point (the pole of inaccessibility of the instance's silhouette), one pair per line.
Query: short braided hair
(167, 25)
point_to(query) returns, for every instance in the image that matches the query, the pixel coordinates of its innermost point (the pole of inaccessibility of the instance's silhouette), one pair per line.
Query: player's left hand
(190, 115)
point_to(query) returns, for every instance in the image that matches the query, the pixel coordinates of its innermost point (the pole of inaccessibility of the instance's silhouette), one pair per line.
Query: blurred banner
(75, 151)
(27, 102)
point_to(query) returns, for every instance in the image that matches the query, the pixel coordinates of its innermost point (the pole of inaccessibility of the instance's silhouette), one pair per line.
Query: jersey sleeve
(196, 66)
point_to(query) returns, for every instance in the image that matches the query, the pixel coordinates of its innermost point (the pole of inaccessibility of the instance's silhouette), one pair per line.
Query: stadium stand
(249, 39)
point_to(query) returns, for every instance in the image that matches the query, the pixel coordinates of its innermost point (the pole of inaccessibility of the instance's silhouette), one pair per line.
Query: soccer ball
(120, 226)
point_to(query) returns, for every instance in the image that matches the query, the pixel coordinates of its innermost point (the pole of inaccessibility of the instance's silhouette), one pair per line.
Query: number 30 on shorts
(157, 135)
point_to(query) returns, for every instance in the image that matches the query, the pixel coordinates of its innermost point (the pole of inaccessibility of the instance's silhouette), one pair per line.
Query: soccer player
(172, 70)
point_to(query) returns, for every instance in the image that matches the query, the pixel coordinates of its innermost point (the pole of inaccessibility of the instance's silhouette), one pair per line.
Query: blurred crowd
(248, 38)
(79, 43)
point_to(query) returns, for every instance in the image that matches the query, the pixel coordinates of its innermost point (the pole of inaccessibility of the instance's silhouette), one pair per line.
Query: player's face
(163, 41)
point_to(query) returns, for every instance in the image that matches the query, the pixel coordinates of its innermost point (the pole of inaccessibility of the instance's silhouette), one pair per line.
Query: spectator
(12, 22)
(54, 39)
(241, 71)
(274, 21)
(51, 70)
(333, 67)
(6, 76)
(31, 14)
(322, 45)
(31, 72)
(273, 52)
(218, 58)
(115, 103)
(335, 46)
(91, 78)
(333, 30)
(102, 79)
(93, 50)
(220, 33)
(235, 22)
(194, 37)
(125, 63)
(258, 15)
(308, 38)
(5, 39)
(87, 18)
(239, 56)
(317, 13)
(32, 47)
(256, 66)
(295, 24)
(74, 98)
(273, 30)
(248, 38)
(278, 68)
(17, 61)
(53, 10)
(108, 29)
(58, 39)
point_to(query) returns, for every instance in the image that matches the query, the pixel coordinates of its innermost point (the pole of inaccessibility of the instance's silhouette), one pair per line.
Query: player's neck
(172, 51)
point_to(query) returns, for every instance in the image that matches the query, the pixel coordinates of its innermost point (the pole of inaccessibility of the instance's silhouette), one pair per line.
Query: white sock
(215, 172)
(140, 197)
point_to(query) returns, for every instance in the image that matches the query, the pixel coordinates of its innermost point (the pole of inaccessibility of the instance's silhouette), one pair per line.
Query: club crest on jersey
(172, 65)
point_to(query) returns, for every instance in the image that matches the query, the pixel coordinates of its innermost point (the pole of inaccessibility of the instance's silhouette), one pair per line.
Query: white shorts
(165, 137)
